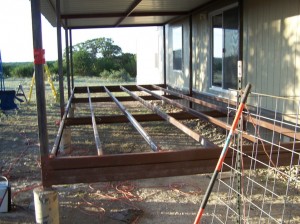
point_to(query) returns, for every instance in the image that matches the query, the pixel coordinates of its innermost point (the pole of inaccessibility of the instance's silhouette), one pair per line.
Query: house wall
(201, 60)
(271, 46)
(271, 50)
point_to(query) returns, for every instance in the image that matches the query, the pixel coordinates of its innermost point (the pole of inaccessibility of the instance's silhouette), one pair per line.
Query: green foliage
(116, 75)
(25, 70)
(18, 69)
(7, 67)
(105, 74)
(99, 47)
(96, 57)
(83, 63)
(128, 62)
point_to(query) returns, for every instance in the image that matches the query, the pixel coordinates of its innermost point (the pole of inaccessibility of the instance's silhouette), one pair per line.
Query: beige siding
(201, 53)
(271, 46)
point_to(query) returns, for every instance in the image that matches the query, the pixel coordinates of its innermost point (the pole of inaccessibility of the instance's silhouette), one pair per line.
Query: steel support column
(67, 58)
(59, 58)
(191, 59)
(71, 57)
(39, 82)
(165, 55)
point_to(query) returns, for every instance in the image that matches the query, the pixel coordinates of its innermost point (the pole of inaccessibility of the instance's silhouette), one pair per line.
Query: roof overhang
(77, 14)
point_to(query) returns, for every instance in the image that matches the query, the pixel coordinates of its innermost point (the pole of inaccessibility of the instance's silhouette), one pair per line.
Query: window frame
(211, 15)
(177, 68)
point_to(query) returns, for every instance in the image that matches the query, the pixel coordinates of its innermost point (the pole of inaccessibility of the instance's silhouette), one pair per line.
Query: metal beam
(114, 26)
(273, 127)
(67, 59)
(59, 59)
(71, 58)
(170, 119)
(195, 113)
(192, 99)
(122, 119)
(166, 163)
(139, 117)
(135, 123)
(96, 134)
(117, 14)
(61, 128)
(165, 55)
(100, 89)
(120, 98)
(128, 12)
(191, 58)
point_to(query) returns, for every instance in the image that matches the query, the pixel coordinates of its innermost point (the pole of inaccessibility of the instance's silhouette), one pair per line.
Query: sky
(16, 34)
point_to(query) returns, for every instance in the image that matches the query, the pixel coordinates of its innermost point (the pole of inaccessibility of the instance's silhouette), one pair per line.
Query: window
(225, 48)
(177, 48)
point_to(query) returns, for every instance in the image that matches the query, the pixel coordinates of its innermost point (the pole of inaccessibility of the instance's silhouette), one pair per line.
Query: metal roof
(118, 13)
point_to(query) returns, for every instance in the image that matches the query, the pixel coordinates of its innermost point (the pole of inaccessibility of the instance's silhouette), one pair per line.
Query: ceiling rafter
(121, 13)
(129, 11)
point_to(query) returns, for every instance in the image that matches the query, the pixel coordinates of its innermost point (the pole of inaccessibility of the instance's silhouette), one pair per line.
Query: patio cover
(118, 13)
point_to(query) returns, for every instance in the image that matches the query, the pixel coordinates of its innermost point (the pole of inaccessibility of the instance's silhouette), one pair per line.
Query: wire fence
(255, 190)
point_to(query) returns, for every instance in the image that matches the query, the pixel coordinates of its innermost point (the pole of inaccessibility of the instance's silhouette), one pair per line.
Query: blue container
(5, 195)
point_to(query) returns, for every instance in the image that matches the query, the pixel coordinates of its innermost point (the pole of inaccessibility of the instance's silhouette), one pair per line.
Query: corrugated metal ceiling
(118, 13)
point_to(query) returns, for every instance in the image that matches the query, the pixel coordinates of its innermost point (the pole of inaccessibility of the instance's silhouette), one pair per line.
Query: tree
(128, 62)
(92, 57)
(23, 70)
(83, 63)
(99, 48)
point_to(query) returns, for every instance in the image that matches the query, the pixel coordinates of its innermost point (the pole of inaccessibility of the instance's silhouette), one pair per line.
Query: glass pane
(231, 42)
(177, 48)
(217, 65)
